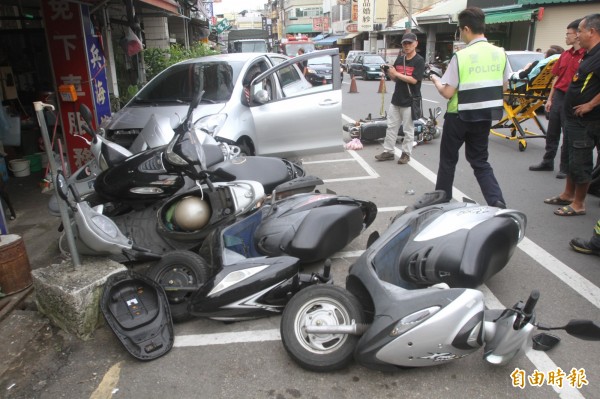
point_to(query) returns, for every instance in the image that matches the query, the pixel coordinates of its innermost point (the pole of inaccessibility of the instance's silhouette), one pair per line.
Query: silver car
(258, 101)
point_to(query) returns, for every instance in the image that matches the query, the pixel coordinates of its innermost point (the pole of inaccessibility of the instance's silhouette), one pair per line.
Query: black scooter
(160, 173)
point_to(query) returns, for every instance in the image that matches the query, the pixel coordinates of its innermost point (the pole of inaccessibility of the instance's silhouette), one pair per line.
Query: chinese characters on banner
(76, 64)
(97, 66)
(366, 15)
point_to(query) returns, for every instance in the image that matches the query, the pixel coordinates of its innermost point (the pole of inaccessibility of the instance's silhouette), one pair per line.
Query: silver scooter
(398, 309)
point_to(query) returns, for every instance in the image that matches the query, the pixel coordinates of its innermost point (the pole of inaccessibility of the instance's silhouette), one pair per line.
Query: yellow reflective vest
(481, 76)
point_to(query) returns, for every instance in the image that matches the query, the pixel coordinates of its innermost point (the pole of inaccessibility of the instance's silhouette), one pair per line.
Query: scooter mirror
(438, 111)
(584, 329)
(86, 114)
(62, 186)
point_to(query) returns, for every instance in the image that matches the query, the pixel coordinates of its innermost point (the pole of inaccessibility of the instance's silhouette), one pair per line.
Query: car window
(252, 72)
(179, 83)
(358, 59)
(288, 76)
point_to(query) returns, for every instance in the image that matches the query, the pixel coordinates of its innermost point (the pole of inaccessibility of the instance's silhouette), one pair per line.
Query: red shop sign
(66, 43)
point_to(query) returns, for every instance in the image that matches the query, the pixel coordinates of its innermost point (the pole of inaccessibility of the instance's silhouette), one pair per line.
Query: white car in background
(258, 101)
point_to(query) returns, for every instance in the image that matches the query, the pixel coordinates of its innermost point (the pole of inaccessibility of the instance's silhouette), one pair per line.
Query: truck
(247, 41)
(291, 44)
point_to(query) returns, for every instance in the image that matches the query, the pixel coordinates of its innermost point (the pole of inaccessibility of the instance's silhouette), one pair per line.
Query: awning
(299, 28)
(329, 40)
(167, 5)
(442, 12)
(511, 16)
(352, 35)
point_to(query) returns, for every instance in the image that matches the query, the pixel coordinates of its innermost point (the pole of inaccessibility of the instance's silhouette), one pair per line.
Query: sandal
(568, 211)
(557, 201)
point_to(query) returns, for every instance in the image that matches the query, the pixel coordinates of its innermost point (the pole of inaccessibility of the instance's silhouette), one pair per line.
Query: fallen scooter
(371, 129)
(156, 134)
(161, 172)
(397, 308)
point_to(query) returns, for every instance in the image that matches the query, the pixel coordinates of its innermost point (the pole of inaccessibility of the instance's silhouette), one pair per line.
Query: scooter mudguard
(137, 310)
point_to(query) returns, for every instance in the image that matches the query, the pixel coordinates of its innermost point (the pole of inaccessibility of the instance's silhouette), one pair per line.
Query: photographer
(407, 72)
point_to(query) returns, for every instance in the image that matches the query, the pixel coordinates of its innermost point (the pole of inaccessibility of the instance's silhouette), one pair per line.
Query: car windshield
(324, 60)
(179, 83)
(373, 59)
(519, 60)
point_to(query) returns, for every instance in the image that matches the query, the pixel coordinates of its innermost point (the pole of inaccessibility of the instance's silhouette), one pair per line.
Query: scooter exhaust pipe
(352, 329)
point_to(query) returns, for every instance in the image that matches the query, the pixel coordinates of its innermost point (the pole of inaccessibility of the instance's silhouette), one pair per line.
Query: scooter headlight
(211, 124)
(106, 225)
(172, 157)
(413, 319)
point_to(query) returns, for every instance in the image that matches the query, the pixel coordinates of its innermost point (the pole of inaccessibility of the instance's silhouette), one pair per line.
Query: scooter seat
(274, 171)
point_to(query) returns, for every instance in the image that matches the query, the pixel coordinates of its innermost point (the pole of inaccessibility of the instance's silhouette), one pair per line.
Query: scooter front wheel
(320, 305)
(179, 269)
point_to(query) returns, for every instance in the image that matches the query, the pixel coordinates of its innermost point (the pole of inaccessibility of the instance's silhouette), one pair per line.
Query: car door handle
(328, 102)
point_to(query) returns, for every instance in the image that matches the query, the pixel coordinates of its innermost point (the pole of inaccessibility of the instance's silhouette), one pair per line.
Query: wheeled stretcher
(521, 103)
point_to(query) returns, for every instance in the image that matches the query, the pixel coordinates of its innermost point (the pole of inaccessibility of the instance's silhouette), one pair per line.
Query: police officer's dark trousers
(474, 135)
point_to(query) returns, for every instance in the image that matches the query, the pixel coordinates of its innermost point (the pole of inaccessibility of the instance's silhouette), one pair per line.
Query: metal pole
(64, 213)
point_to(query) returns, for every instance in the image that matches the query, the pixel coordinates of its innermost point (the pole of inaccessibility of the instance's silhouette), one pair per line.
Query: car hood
(134, 117)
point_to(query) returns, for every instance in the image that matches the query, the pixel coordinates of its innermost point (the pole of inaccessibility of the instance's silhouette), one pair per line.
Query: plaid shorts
(582, 137)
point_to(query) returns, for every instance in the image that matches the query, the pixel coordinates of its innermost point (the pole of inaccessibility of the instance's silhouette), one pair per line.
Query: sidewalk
(31, 350)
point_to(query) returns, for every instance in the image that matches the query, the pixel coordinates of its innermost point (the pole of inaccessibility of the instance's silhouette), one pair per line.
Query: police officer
(474, 84)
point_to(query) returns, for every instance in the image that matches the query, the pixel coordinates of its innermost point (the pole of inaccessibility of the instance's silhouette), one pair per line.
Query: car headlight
(310, 70)
(211, 124)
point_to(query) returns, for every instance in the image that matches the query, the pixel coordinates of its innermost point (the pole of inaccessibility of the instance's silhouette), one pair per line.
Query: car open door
(310, 118)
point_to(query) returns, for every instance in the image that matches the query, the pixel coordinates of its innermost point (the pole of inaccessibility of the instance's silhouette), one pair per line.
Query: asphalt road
(247, 360)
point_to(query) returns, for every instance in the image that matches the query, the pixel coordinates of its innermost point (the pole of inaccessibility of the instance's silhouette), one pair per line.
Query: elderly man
(582, 122)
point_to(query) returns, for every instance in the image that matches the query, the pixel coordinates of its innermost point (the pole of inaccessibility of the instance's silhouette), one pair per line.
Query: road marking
(226, 338)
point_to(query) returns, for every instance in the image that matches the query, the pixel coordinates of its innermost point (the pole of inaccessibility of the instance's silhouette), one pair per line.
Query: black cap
(409, 37)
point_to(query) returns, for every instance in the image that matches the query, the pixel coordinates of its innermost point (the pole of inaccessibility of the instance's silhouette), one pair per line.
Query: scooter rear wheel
(322, 305)
(179, 269)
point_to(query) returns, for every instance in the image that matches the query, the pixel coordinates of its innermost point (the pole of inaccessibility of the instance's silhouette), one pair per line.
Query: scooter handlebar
(531, 302)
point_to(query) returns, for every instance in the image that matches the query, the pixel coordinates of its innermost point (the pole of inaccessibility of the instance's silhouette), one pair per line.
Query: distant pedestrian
(407, 72)
(563, 70)
(474, 84)
(582, 122)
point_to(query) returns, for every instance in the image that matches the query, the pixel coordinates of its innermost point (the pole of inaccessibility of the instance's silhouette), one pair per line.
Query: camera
(385, 67)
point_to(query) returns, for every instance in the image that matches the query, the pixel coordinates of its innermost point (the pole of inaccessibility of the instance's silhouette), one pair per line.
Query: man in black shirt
(582, 122)
(407, 72)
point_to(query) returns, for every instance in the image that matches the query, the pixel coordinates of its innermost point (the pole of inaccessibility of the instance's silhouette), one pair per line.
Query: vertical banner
(96, 61)
(317, 24)
(68, 54)
(381, 11)
(354, 14)
(366, 15)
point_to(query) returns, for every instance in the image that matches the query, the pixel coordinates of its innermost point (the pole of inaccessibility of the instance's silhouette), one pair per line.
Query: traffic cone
(381, 85)
(353, 88)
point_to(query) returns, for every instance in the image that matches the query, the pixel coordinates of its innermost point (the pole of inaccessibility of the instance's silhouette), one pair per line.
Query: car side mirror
(262, 97)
